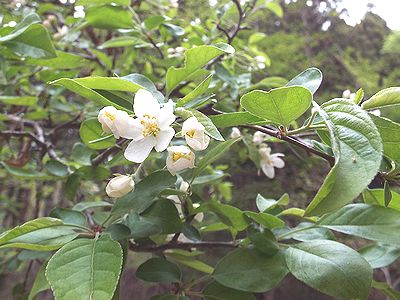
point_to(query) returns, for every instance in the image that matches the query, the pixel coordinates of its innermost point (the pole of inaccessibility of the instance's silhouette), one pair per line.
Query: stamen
(179, 155)
(110, 116)
(191, 133)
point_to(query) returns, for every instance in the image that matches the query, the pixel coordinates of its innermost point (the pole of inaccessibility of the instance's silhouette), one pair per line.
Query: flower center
(150, 126)
(110, 116)
(179, 155)
(191, 133)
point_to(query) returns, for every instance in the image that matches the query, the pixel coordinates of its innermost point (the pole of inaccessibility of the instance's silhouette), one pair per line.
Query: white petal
(164, 137)
(277, 161)
(138, 151)
(166, 115)
(268, 170)
(192, 124)
(199, 141)
(130, 128)
(145, 104)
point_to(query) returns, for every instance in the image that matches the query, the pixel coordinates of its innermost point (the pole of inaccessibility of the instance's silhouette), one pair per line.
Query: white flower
(113, 121)
(270, 161)
(235, 133)
(120, 186)
(179, 158)
(259, 137)
(194, 133)
(151, 127)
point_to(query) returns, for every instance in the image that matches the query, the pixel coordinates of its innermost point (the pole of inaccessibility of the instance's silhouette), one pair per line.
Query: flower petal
(166, 115)
(130, 128)
(138, 151)
(164, 137)
(145, 104)
(268, 170)
(277, 161)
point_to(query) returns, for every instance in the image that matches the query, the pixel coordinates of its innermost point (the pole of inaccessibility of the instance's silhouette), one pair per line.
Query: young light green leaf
(385, 289)
(386, 97)
(359, 96)
(124, 41)
(213, 155)
(209, 126)
(281, 105)
(198, 91)
(229, 215)
(43, 234)
(85, 268)
(158, 269)
(190, 262)
(357, 147)
(109, 17)
(390, 134)
(266, 220)
(250, 270)
(310, 79)
(19, 100)
(145, 192)
(367, 221)
(64, 60)
(331, 268)
(91, 130)
(195, 59)
(377, 197)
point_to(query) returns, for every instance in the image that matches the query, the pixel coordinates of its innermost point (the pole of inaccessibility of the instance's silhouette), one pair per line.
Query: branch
(184, 246)
(106, 153)
(293, 140)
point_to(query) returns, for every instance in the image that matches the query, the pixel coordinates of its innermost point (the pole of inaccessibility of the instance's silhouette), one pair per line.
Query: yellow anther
(178, 155)
(110, 116)
(191, 133)
(150, 127)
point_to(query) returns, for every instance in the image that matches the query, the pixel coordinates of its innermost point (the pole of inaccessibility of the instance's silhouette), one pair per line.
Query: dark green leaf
(159, 270)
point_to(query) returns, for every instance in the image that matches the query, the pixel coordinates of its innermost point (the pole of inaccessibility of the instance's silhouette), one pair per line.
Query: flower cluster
(152, 128)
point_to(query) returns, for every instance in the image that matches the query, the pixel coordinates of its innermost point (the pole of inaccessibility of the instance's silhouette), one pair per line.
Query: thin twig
(184, 246)
(106, 153)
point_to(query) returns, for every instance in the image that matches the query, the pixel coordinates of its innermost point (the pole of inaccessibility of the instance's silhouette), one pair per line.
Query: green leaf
(275, 8)
(310, 79)
(266, 220)
(387, 193)
(40, 284)
(390, 135)
(281, 105)
(250, 270)
(367, 221)
(30, 39)
(214, 290)
(190, 262)
(74, 86)
(68, 216)
(159, 270)
(359, 96)
(109, 84)
(57, 168)
(109, 17)
(195, 59)
(161, 217)
(385, 289)
(377, 197)
(124, 41)
(213, 155)
(330, 267)
(145, 192)
(386, 97)
(264, 204)
(90, 131)
(102, 2)
(235, 119)
(263, 240)
(64, 60)
(357, 147)
(19, 100)
(228, 214)
(90, 204)
(380, 256)
(198, 91)
(85, 269)
(43, 234)
(154, 22)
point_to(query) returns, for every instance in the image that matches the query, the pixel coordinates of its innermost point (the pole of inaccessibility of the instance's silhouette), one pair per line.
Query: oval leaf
(281, 105)
(386, 97)
(357, 147)
(85, 269)
(331, 268)
(310, 79)
(159, 270)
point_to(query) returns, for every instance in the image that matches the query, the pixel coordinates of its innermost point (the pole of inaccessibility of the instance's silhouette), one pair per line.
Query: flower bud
(259, 137)
(235, 133)
(120, 186)
(114, 121)
(179, 158)
(194, 133)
